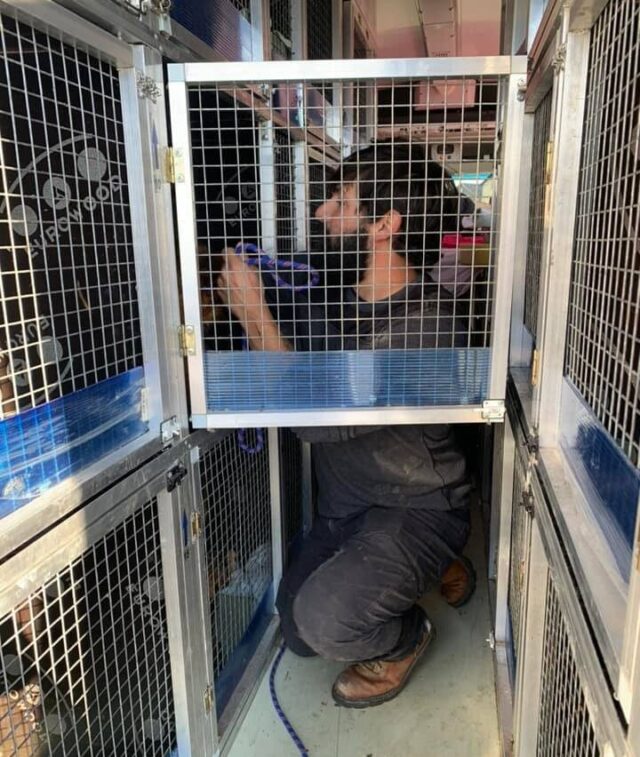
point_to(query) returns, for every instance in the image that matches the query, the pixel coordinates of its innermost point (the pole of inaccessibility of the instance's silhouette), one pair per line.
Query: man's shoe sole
(361, 704)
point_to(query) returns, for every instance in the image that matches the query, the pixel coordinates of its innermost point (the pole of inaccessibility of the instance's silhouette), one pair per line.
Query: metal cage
(253, 140)
(92, 630)
(564, 703)
(80, 380)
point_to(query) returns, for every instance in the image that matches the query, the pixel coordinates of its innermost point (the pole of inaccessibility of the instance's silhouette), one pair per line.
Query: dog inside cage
(380, 238)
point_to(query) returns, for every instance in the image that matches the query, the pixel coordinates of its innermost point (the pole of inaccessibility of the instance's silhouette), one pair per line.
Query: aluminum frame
(144, 126)
(219, 728)
(558, 251)
(29, 568)
(179, 75)
(602, 705)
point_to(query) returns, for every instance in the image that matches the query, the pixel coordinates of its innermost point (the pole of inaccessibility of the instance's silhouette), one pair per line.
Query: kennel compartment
(76, 384)
(247, 157)
(564, 701)
(94, 630)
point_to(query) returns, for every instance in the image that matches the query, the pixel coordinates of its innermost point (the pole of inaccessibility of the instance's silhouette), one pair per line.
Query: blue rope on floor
(274, 698)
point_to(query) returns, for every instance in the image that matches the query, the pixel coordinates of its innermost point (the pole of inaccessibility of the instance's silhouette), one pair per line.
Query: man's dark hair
(398, 176)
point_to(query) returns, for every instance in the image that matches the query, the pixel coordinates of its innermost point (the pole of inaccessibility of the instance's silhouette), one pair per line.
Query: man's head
(390, 188)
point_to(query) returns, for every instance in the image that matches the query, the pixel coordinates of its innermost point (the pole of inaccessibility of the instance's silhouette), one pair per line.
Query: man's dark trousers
(351, 593)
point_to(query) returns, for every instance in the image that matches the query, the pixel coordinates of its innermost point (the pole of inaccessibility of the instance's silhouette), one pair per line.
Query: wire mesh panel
(237, 532)
(603, 330)
(281, 29)
(566, 724)
(391, 303)
(291, 487)
(520, 539)
(320, 29)
(84, 659)
(539, 181)
(69, 323)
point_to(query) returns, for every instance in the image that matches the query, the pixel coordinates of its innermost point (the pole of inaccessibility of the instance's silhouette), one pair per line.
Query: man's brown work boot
(458, 582)
(367, 684)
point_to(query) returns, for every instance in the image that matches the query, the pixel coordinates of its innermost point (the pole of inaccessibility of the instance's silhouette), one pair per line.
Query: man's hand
(240, 289)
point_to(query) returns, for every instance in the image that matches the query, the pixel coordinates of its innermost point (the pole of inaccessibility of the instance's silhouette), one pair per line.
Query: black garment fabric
(351, 593)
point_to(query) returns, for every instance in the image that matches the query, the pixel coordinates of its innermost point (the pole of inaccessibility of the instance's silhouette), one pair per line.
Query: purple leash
(257, 258)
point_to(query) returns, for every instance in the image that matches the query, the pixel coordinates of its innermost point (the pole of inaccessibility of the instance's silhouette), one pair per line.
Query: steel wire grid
(539, 169)
(565, 727)
(320, 29)
(69, 312)
(520, 535)
(283, 187)
(245, 174)
(237, 533)
(281, 29)
(291, 486)
(85, 658)
(603, 329)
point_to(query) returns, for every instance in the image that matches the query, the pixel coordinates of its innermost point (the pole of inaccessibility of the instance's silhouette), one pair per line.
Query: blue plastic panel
(230, 675)
(43, 446)
(610, 482)
(220, 24)
(255, 381)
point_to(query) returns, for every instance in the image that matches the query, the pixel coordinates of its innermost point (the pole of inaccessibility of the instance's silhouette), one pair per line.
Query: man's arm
(241, 289)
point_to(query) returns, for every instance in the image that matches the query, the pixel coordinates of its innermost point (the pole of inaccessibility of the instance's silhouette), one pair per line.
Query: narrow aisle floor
(448, 708)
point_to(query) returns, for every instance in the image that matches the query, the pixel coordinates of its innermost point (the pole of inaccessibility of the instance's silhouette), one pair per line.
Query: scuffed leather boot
(367, 684)
(458, 582)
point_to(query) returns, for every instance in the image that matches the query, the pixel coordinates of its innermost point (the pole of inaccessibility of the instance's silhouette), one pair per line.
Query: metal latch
(528, 502)
(493, 411)
(170, 430)
(172, 160)
(196, 525)
(187, 337)
(208, 699)
(175, 476)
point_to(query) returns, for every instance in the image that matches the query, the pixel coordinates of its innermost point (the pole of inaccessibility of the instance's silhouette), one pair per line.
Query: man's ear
(388, 225)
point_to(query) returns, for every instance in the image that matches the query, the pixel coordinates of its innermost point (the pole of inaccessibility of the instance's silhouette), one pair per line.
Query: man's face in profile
(345, 232)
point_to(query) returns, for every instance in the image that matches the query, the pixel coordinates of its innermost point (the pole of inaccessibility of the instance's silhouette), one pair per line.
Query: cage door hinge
(170, 430)
(196, 525)
(528, 503)
(493, 411)
(535, 368)
(548, 162)
(187, 337)
(176, 476)
(208, 699)
(172, 161)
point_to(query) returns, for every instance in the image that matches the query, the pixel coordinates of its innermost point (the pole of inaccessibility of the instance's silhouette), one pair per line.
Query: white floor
(448, 708)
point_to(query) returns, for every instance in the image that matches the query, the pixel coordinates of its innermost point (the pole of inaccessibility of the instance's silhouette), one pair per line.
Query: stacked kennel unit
(567, 474)
(138, 562)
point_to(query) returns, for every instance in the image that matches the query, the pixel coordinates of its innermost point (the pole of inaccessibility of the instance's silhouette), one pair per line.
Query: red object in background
(454, 241)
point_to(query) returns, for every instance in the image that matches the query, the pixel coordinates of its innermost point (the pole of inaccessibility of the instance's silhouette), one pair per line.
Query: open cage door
(256, 145)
